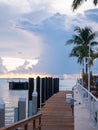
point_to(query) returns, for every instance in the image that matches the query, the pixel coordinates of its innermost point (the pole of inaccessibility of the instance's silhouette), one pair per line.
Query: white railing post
(97, 116)
(90, 105)
(93, 109)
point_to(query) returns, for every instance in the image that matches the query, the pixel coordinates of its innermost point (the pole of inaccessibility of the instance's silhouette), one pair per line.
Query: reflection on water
(11, 97)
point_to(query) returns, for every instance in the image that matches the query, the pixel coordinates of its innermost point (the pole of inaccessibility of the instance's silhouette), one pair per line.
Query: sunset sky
(33, 34)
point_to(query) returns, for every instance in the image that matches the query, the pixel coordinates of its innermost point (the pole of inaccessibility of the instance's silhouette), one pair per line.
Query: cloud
(54, 59)
(3, 69)
(18, 65)
(39, 30)
(22, 6)
(93, 13)
(17, 42)
(6, 16)
(21, 43)
(25, 68)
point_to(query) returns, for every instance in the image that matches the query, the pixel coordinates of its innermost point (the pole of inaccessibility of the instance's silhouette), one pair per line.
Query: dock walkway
(81, 114)
(57, 113)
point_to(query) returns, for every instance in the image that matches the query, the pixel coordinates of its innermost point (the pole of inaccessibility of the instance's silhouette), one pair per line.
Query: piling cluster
(44, 87)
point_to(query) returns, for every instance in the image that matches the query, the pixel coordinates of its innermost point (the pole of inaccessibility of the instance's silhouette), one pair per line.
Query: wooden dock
(57, 113)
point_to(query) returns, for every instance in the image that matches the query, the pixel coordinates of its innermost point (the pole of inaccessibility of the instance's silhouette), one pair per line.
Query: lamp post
(83, 73)
(89, 101)
(89, 69)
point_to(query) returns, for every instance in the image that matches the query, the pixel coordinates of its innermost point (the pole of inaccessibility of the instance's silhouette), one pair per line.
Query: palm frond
(95, 2)
(71, 41)
(76, 4)
(93, 43)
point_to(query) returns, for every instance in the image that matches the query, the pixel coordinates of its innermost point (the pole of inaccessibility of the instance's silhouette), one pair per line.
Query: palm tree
(81, 40)
(77, 3)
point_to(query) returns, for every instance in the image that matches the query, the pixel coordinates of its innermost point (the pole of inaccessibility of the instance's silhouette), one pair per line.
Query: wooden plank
(57, 113)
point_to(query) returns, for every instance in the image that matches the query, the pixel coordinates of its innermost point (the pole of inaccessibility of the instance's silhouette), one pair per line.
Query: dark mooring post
(56, 85)
(46, 88)
(38, 91)
(42, 94)
(30, 91)
(51, 93)
(43, 91)
(51, 86)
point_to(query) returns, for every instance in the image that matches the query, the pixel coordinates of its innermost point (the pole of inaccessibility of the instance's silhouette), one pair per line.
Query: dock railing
(31, 123)
(91, 103)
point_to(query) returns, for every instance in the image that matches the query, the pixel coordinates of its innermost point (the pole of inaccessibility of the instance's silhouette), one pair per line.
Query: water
(11, 97)
(67, 84)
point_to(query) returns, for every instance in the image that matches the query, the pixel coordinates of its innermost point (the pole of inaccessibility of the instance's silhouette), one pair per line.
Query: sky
(33, 35)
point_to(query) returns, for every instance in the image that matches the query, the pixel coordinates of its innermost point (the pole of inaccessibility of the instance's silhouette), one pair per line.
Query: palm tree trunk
(86, 66)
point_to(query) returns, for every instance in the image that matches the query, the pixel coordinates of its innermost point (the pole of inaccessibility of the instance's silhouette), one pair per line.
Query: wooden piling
(22, 108)
(30, 91)
(2, 113)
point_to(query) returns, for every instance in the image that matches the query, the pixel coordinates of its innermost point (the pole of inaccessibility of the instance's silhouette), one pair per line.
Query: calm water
(67, 84)
(11, 97)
